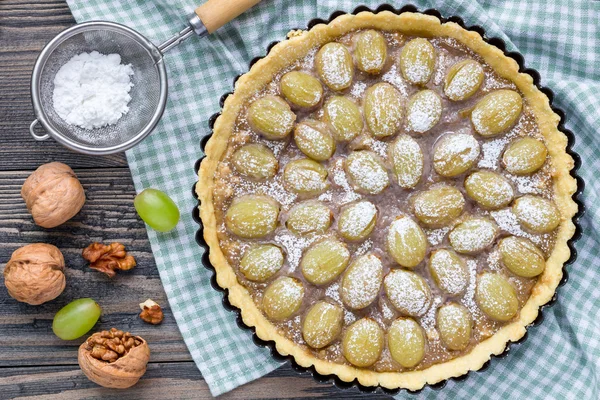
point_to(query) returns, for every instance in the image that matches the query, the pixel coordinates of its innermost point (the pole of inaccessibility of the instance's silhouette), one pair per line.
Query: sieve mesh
(145, 93)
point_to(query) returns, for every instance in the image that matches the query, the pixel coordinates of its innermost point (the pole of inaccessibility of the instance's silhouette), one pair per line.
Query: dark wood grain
(164, 381)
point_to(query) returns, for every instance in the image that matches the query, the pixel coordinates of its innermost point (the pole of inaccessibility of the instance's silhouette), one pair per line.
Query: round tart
(387, 199)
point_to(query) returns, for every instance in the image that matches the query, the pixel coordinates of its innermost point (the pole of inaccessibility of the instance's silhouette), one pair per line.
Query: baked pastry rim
(297, 46)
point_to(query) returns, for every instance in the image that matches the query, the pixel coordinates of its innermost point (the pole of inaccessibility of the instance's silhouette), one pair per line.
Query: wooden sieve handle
(216, 13)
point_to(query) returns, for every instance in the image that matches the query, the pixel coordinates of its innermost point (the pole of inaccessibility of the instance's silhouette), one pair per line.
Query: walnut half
(35, 273)
(151, 312)
(114, 359)
(108, 258)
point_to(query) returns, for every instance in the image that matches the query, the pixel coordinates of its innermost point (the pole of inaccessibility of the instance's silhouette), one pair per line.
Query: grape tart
(387, 199)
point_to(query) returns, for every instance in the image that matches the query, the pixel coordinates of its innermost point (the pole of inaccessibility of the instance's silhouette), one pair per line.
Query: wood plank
(25, 27)
(107, 216)
(165, 381)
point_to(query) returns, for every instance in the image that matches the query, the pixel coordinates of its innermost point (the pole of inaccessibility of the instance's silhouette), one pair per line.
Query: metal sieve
(149, 91)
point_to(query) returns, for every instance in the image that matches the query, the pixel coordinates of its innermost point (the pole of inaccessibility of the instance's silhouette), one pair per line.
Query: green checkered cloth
(561, 39)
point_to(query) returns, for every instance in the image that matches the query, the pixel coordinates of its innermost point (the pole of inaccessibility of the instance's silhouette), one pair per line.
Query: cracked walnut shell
(114, 359)
(53, 194)
(108, 258)
(35, 273)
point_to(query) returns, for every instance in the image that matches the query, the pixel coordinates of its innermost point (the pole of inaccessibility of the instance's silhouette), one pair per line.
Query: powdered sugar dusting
(407, 292)
(367, 172)
(364, 247)
(272, 188)
(466, 80)
(468, 299)
(339, 178)
(507, 221)
(334, 64)
(349, 317)
(428, 320)
(357, 218)
(436, 236)
(450, 271)
(362, 281)
(333, 292)
(423, 111)
(474, 234)
(455, 149)
(394, 78)
(533, 184)
(294, 246)
(358, 89)
(491, 152)
(377, 146)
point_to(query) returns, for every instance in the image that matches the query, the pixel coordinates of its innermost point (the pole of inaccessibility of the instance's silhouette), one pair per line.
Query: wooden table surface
(34, 362)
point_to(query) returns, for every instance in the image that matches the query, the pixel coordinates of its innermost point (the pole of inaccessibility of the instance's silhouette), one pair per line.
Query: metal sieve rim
(40, 63)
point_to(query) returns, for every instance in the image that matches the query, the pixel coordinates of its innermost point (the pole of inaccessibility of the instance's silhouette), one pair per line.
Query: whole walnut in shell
(114, 359)
(53, 194)
(35, 273)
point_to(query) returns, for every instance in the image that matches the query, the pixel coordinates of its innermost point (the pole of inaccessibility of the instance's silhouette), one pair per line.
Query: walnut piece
(108, 258)
(35, 273)
(53, 194)
(151, 312)
(114, 359)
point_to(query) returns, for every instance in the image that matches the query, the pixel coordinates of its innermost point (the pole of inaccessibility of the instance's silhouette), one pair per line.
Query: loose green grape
(76, 319)
(157, 209)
